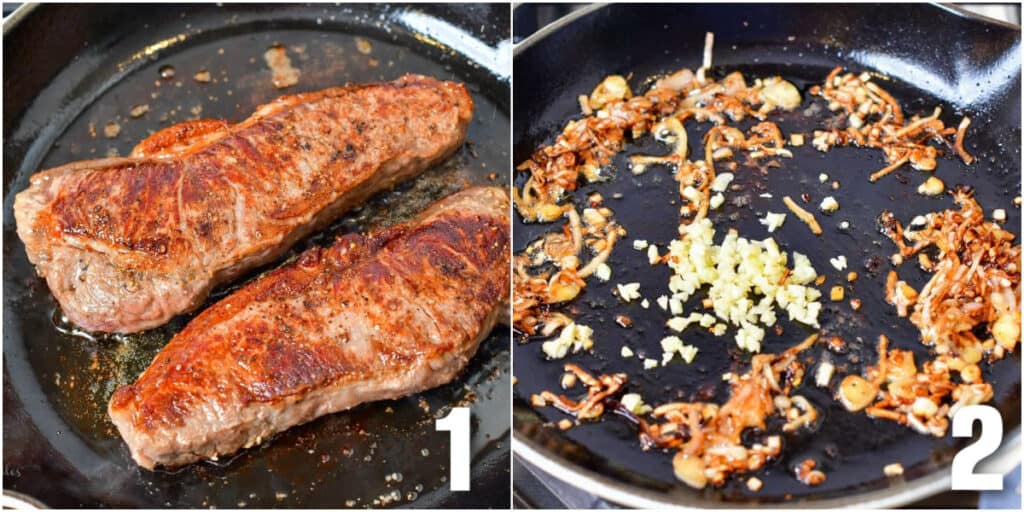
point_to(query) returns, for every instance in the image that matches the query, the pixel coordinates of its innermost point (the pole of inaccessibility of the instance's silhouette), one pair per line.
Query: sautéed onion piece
(874, 119)
(549, 272)
(975, 284)
(707, 437)
(924, 399)
(975, 281)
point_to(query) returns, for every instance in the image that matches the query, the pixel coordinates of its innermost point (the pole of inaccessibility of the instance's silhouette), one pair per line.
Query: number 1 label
(457, 422)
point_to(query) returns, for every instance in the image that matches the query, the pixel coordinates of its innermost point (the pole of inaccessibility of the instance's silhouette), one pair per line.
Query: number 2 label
(457, 423)
(964, 477)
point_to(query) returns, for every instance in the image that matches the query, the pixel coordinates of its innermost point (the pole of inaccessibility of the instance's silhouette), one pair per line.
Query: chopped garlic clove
(773, 221)
(829, 204)
(931, 187)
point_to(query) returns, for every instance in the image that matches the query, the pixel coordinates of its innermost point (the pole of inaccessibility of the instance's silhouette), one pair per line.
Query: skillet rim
(1004, 460)
(18, 14)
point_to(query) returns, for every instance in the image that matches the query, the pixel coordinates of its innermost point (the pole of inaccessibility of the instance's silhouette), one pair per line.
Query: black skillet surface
(925, 56)
(71, 70)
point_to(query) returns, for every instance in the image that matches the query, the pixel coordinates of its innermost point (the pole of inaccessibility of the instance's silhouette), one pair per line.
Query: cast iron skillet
(926, 56)
(70, 70)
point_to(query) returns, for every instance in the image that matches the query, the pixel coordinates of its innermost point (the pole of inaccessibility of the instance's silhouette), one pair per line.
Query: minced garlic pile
(747, 279)
(574, 337)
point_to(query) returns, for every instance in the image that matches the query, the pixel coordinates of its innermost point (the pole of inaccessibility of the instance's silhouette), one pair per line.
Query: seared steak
(127, 243)
(372, 317)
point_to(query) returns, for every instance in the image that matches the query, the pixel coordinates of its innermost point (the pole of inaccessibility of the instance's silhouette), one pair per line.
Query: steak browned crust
(372, 317)
(127, 243)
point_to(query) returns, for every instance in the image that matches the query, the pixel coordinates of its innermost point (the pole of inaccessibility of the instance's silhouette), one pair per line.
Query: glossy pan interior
(69, 70)
(932, 56)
